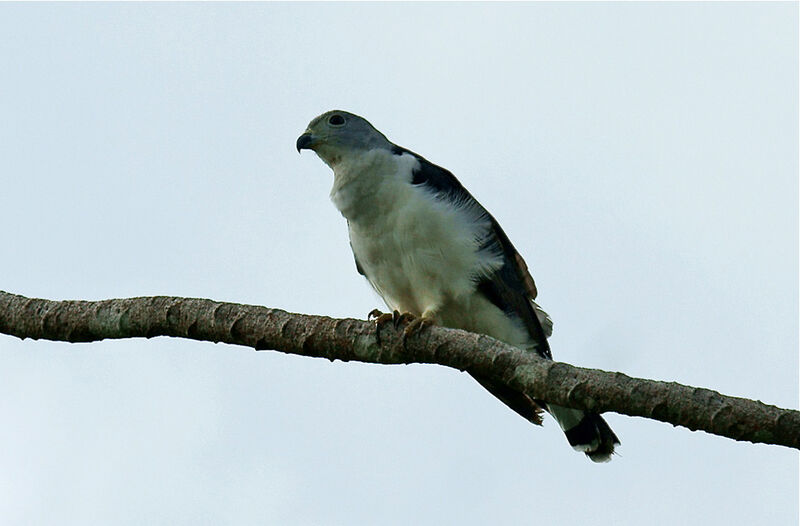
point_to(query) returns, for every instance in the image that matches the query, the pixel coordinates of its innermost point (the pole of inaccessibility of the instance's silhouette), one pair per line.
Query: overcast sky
(642, 157)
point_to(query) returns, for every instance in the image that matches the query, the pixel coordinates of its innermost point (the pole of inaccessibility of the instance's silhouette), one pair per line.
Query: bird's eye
(336, 120)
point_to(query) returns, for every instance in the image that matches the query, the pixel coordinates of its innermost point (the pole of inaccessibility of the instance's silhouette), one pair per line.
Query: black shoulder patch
(436, 178)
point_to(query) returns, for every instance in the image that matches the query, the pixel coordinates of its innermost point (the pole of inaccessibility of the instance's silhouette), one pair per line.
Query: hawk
(430, 250)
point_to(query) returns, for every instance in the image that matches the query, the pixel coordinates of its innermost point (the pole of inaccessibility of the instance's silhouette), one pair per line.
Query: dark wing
(510, 287)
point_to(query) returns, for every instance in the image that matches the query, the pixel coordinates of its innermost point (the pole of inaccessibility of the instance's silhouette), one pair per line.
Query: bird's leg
(417, 324)
(403, 319)
(413, 323)
(382, 317)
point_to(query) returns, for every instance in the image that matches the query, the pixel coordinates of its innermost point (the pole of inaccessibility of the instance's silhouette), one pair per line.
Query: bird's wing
(359, 268)
(510, 287)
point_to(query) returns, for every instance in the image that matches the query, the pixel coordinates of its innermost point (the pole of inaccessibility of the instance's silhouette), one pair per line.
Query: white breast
(421, 254)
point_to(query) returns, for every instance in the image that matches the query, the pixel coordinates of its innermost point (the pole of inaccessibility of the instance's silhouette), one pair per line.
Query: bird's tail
(586, 432)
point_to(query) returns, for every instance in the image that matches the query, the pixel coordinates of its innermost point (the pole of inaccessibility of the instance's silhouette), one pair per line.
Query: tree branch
(348, 339)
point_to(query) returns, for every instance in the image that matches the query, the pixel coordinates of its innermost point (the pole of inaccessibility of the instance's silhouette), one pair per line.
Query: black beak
(305, 141)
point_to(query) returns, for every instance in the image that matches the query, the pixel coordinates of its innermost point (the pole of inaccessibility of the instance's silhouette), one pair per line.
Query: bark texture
(349, 339)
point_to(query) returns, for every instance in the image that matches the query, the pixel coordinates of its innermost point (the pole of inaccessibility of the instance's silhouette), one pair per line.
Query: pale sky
(642, 157)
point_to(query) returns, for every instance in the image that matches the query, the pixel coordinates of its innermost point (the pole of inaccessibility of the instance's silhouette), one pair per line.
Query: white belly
(416, 255)
(420, 254)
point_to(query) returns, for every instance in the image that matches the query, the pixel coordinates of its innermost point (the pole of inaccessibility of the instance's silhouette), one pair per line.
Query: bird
(435, 255)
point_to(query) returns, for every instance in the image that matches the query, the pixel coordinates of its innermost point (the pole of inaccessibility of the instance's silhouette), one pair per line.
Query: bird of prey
(430, 250)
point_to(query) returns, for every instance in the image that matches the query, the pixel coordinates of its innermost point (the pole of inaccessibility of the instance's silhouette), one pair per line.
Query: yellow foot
(412, 323)
(415, 325)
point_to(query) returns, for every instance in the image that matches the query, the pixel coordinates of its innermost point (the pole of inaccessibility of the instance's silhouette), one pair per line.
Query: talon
(413, 327)
(416, 325)
(401, 318)
(382, 319)
(413, 323)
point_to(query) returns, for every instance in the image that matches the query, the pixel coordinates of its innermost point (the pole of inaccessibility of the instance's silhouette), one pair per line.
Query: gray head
(336, 134)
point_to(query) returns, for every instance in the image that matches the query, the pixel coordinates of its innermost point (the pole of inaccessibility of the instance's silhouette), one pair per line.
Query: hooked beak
(306, 142)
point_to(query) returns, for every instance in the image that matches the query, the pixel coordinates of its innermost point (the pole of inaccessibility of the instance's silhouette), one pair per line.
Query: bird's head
(337, 134)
